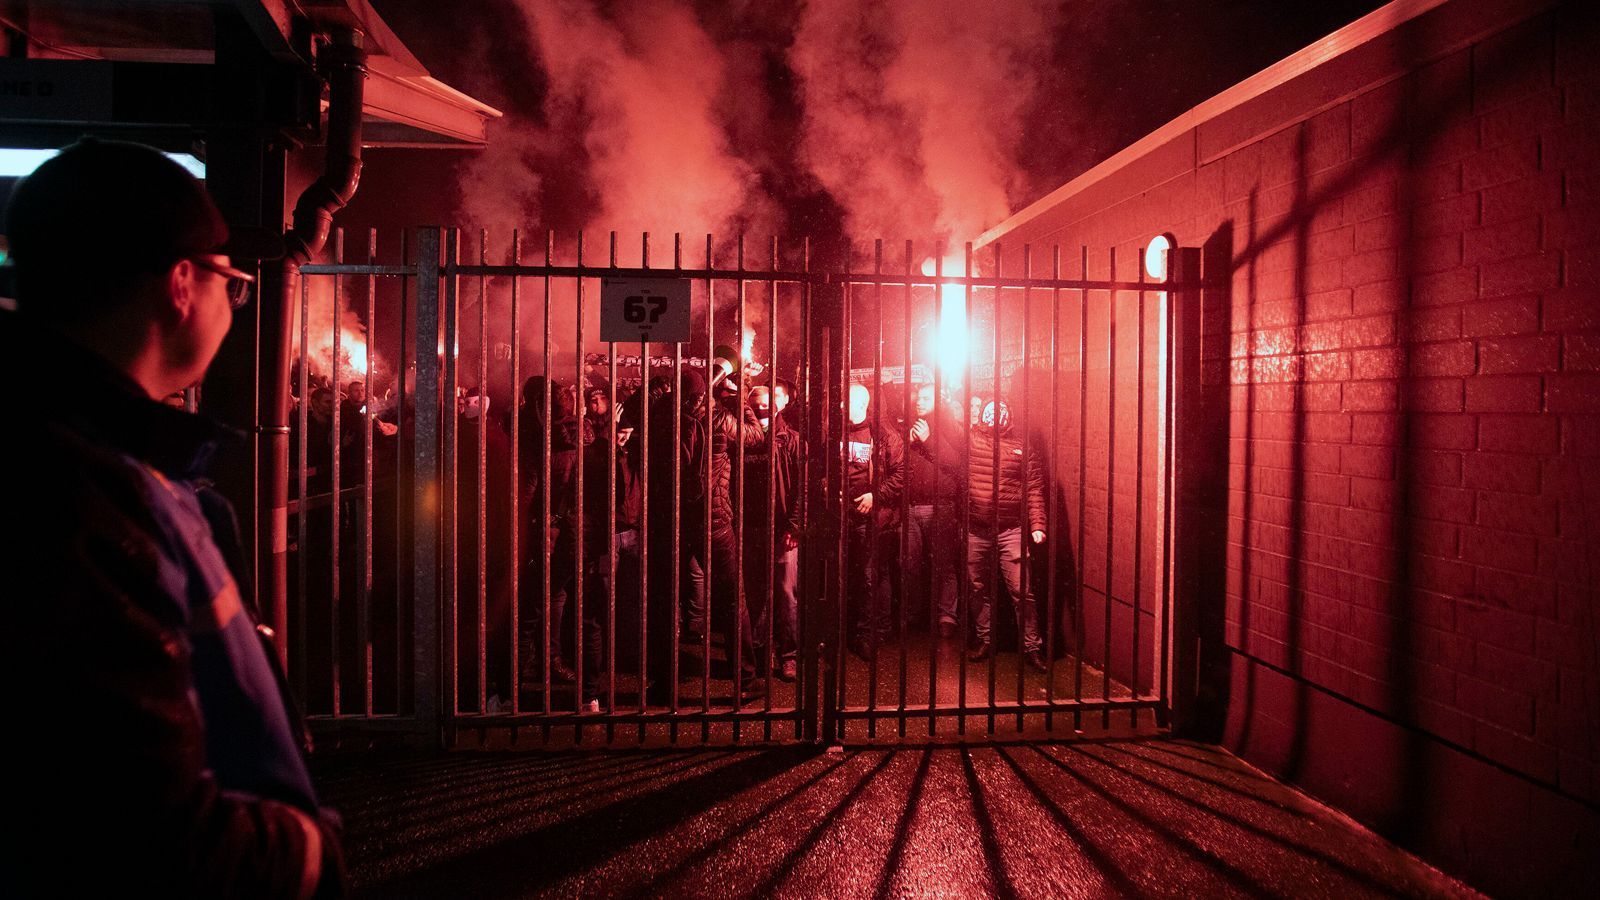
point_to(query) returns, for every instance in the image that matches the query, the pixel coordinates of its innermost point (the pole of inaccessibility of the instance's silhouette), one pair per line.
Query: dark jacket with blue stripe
(161, 755)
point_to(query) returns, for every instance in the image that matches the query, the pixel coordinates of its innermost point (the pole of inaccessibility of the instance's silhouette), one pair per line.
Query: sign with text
(644, 309)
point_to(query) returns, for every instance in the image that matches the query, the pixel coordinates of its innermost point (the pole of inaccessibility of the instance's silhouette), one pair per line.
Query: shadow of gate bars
(464, 574)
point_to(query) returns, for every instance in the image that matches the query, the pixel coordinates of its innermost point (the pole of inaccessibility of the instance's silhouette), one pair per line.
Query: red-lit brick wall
(1409, 353)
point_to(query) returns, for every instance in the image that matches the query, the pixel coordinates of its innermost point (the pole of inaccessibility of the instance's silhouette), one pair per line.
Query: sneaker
(1035, 661)
(980, 653)
(788, 671)
(592, 706)
(561, 672)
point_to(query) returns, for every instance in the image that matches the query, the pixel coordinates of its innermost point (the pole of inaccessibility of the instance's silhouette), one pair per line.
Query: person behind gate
(933, 481)
(779, 607)
(874, 478)
(1000, 504)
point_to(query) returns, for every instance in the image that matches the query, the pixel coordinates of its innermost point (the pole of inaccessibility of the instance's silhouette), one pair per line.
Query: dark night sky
(1116, 70)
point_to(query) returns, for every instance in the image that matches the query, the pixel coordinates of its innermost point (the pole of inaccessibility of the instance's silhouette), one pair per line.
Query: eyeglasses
(238, 281)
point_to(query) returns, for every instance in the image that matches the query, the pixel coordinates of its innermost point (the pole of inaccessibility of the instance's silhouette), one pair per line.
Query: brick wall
(1409, 353)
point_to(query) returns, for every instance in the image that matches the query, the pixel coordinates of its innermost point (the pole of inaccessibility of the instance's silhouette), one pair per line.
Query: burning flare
(354, 346)
(951, 339)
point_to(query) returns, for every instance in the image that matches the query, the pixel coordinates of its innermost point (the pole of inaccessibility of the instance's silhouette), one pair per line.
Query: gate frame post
(426, 494)
(820, 677)
(1183, 270)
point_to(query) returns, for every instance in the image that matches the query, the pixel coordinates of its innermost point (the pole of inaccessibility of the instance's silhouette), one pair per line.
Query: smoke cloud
(668, 116)
(680, 116)
(633, 101)
(914, 109)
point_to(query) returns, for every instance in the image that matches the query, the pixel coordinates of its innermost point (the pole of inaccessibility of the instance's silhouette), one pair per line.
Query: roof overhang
(404, 105)
(1367, 52)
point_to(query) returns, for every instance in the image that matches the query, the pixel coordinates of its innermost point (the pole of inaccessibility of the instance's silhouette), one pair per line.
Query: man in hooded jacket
(1005, 496)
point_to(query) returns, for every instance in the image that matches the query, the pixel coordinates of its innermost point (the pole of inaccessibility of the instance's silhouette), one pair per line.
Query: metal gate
(502, 534)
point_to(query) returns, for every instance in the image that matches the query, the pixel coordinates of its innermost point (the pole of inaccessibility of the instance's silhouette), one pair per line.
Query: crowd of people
(132, 569)
(914, 476)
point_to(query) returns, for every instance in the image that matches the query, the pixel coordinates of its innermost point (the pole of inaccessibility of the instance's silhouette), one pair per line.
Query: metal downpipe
(343, 61)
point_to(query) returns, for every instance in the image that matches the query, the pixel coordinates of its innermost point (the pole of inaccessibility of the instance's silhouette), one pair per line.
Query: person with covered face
(933, 480)
(547, 542)
(710, 568)
(597, 406)
(783, 455)
(610, 483)
(477, 439)
(1005, 501)
(874, 477)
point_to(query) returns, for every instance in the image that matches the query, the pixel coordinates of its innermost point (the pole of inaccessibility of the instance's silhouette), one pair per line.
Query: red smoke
(909, 117)
(914, 109)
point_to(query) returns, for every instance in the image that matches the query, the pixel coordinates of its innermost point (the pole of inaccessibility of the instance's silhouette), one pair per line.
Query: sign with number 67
(644, 309)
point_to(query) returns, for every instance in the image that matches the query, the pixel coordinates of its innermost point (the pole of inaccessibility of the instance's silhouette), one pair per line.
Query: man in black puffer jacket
(934, 482)
(1000, 508)
(699, 436)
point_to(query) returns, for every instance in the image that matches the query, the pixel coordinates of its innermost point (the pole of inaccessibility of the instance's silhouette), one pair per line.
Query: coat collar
(52, 379)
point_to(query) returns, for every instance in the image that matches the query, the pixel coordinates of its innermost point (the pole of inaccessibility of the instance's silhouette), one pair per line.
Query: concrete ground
(928, 666)
(1145, 816)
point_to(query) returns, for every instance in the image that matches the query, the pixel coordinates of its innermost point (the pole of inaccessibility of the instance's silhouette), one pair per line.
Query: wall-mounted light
(1155, 257)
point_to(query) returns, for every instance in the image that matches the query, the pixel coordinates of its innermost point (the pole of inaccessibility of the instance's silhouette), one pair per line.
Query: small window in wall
(1155, 257)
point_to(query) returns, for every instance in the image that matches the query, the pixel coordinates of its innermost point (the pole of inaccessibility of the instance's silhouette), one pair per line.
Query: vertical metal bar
(368, 410)
(1138, 498)
(966, 508)
(1168, 414)
(705, 581)
(1083, 490)
(908, 405)
(335, 674)
(676, 512)
(824, 417)
(994, 519)
(644, 553)
(958, 565)
(578, 573)
(611, 520)
(302, 519)
(846, 345)
(873, 550)
(805, 683)
(452, 421)
(772, 468)
(425, 495)
(482, 525)
(1027, 462)
(518, 553)
(1052, 517)
(1111, 482)
(544, 483)
(735, 636)
(405, 474)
